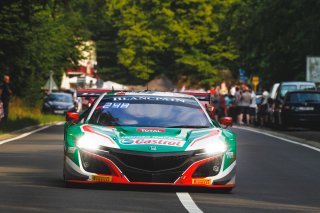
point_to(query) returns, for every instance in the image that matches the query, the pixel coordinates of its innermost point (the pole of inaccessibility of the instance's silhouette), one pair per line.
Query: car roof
(60, 93)
(298, 82)
(303, 91)
(153, 93)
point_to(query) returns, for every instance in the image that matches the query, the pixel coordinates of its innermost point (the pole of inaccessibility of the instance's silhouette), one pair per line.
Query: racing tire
(66, 183)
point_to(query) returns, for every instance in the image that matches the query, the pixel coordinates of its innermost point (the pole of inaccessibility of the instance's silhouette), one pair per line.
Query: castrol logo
(175, 143)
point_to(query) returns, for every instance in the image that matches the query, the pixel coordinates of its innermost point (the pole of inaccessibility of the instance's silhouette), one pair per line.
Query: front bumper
(299, 119)
(129, 167)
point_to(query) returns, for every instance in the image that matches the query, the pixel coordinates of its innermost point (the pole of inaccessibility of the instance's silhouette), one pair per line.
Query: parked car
(280, 92)
(284, 87)
(300, 108)
(77, 100)
(58, 103)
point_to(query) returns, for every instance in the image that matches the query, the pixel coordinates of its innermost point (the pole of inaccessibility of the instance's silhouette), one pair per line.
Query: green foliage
(35, 38)
(141, 39)
(137, 40)
(274, 37)
(22, 116)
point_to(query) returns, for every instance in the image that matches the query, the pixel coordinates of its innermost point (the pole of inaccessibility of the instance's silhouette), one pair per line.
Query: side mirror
(226, 121)
(71, 116)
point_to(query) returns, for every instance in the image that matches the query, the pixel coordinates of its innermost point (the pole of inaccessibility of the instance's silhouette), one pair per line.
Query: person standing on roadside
(5, 93)
(265, 109)
(219, 104)
(244, 104)
(253, 107)
(236, 102)
(1, 110)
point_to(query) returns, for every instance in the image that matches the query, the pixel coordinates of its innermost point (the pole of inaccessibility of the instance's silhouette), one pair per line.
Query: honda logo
(153, 148)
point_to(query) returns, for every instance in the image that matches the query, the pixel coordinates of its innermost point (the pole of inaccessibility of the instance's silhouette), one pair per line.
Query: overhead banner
(313, 69)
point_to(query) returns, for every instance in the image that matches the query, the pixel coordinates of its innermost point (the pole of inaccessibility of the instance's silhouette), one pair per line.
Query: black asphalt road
(272, 176)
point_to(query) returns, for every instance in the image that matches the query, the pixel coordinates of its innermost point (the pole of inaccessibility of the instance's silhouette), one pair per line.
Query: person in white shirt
(253, 107)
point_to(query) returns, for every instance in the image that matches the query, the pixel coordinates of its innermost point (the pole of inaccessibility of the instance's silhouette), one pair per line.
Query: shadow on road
(141, 188)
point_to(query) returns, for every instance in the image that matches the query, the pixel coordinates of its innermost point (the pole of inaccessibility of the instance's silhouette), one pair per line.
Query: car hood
(150, 139)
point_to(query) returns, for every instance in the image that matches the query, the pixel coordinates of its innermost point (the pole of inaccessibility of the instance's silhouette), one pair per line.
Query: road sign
(50, 84)
(242, 75)
(255, 81)
(313, 69)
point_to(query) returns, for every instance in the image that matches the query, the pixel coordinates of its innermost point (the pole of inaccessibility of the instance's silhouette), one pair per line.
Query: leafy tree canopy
(35, 38)
(141, 39)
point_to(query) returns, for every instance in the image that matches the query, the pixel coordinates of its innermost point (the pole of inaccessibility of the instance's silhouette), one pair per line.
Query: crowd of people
(239, 102)
(242, 104)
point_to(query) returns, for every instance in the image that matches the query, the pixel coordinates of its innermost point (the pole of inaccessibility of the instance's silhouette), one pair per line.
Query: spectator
(244, 104)
(5, 93)
(1, 110)
(228, 101)
(219, 104)
(223, 88)
(264, 109)
(253, 107)
(237, 103)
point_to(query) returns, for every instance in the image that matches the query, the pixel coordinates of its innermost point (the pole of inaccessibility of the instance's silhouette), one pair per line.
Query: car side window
(307, 87)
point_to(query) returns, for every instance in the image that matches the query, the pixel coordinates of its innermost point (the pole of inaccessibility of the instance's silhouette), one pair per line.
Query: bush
(21, 116)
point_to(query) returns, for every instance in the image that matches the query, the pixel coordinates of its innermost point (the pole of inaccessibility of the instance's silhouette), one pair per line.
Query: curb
(26, 129)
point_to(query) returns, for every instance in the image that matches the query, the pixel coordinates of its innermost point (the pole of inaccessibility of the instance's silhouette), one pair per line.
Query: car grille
(153, 162)
(151, 167)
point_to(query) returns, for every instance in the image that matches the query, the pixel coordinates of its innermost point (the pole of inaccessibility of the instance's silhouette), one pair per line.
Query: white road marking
(24, 135)
(188, 202)
(278, 137)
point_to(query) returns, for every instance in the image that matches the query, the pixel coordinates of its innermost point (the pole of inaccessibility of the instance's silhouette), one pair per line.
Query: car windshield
(286, 88)
(60, 97)
(150, 111)
(304, 97)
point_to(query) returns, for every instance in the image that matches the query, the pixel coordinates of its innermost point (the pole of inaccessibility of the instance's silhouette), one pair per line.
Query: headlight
(90, 142)
(216, 147)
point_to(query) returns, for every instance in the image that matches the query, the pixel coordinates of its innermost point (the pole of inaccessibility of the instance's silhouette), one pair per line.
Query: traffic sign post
(255, 81)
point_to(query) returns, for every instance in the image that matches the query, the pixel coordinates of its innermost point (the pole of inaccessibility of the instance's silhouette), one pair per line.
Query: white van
(279, 90)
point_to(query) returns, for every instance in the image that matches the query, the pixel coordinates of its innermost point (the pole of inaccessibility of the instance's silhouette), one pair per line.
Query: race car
(149, 137)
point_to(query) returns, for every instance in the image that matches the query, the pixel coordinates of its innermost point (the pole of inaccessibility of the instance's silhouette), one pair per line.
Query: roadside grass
(21, 116)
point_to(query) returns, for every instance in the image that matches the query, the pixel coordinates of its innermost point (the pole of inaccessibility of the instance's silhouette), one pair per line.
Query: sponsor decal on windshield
(164, 142)
(150, 130)
(116, 105)
(148, 98)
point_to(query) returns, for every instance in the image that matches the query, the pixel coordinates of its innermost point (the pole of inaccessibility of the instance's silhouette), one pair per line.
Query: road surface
(272, 176)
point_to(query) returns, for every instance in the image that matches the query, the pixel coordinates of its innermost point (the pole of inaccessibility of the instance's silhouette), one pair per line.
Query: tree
(38, 37)
(145, 38)
(274, 37)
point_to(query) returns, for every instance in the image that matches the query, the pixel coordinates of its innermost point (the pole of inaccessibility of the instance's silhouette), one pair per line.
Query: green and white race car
(148, 138)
